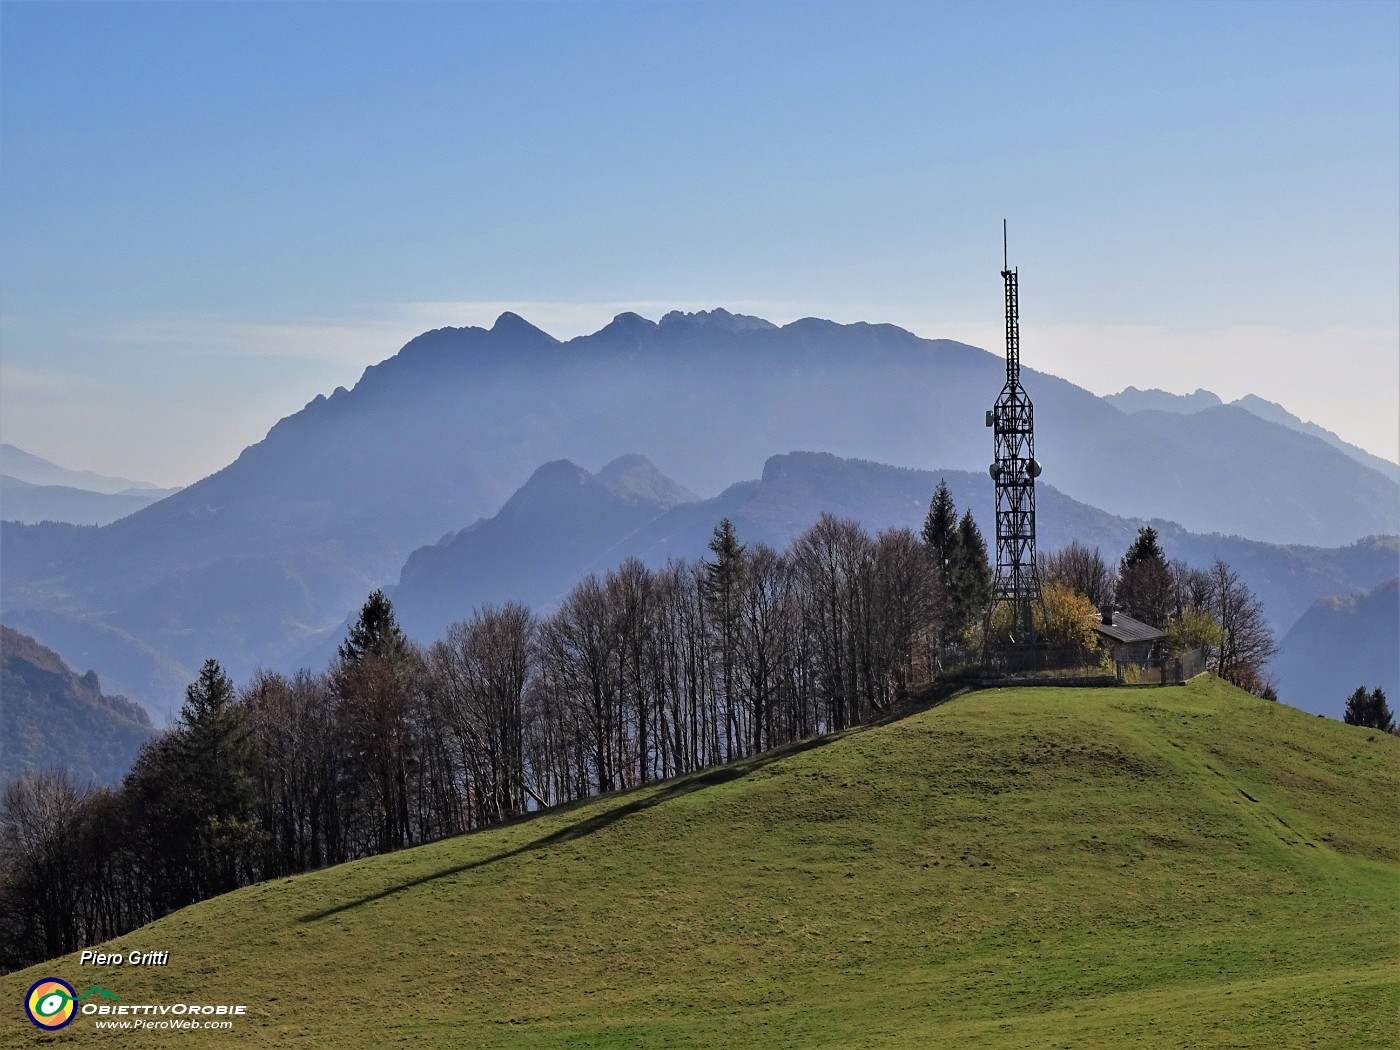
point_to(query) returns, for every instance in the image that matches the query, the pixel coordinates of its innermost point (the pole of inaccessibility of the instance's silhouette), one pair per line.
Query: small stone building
(1131, 641)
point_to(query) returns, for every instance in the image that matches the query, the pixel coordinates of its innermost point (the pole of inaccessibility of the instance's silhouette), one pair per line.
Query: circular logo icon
(50, 1004)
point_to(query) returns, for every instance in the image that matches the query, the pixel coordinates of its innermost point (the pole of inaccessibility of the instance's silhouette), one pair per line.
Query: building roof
(1125, 629)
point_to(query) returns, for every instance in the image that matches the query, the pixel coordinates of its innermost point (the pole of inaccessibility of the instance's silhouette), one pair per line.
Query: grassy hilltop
(1016, 868)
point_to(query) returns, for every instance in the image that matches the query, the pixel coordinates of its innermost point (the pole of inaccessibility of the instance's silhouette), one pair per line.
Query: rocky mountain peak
(633, 476)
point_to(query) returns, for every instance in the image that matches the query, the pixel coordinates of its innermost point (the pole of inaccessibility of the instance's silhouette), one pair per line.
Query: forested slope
(51, 717)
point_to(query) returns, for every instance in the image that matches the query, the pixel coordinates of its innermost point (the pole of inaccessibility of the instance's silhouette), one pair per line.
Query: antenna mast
(1014, 470)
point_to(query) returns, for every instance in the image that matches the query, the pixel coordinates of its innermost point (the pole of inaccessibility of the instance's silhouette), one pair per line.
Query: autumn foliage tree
(1069, 618)
(1194, 629)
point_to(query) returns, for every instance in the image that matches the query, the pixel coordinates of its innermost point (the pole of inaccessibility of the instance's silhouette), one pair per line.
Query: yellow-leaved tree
(1067, 621)
(1070, 618)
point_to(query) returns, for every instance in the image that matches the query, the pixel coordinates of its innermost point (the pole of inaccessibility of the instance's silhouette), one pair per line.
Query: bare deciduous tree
(1082, 570)
(1247, 643)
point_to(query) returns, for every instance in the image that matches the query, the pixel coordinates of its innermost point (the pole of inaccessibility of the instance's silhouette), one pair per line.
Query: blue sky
(209, 213)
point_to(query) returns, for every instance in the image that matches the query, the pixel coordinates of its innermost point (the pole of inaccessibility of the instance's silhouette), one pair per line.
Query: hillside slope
(1341, 643)
(1018, 868)
(52, 717)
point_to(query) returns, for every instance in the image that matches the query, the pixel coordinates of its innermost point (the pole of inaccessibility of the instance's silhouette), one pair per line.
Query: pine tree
(375, 633)
(1380, 711)
(374, 680)
(1369, 709)
(1144, 581)
(208, 700)
(940, 530)
(1144, 548)
(214, 747)
(969, 576)
(211, 776)
(721, 587)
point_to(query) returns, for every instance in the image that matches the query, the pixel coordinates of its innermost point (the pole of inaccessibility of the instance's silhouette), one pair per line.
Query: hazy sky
(210, 213)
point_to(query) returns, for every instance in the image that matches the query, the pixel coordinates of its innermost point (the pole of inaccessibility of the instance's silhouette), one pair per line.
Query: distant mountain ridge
(1132, 399)
(35, 470)
(563, 515)
(51, 716)
(1341, 642)
(565, 522)
(255, 562)
(32, 490)
(30, 504)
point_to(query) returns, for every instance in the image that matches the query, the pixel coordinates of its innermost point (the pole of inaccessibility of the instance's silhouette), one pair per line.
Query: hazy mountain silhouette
(252, 563)
(1131, 399)
(35, 470)
(565, 522)
(53, 717)
(1134, 400)
(564, 517)
(1339, 644)
(24, 502)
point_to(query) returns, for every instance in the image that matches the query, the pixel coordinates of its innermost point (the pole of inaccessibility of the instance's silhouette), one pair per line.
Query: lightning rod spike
(1003, 245)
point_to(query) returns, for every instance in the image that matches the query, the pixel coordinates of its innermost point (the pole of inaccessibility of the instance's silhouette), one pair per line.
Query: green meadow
(1161, 867)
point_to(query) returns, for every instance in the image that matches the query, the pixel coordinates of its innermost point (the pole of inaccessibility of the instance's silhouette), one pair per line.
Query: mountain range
(1134, 400)
(32, 490)
(256, 563)
(35, 470)
(565, 522)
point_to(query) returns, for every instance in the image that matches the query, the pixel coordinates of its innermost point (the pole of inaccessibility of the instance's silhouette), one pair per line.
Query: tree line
(1209, 609)
(639, 675)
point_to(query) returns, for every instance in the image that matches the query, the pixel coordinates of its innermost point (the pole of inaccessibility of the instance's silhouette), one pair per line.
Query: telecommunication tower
(1014, 471)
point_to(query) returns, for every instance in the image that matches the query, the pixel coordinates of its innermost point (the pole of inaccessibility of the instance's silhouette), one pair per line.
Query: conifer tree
(213, 745)
(375, 633)
(374, 679)
(1145, 589)
(1369, 709)
(722, 592)
(211, 758)
(940, 530)
(969, 575)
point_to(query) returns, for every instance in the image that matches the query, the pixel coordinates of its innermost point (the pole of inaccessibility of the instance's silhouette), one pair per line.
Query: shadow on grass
(676, 788)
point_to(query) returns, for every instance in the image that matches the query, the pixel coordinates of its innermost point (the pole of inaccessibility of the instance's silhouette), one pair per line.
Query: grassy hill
(1016, 868)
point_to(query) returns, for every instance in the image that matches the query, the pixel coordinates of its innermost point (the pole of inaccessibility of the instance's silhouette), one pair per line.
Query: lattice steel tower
(1014, 470)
